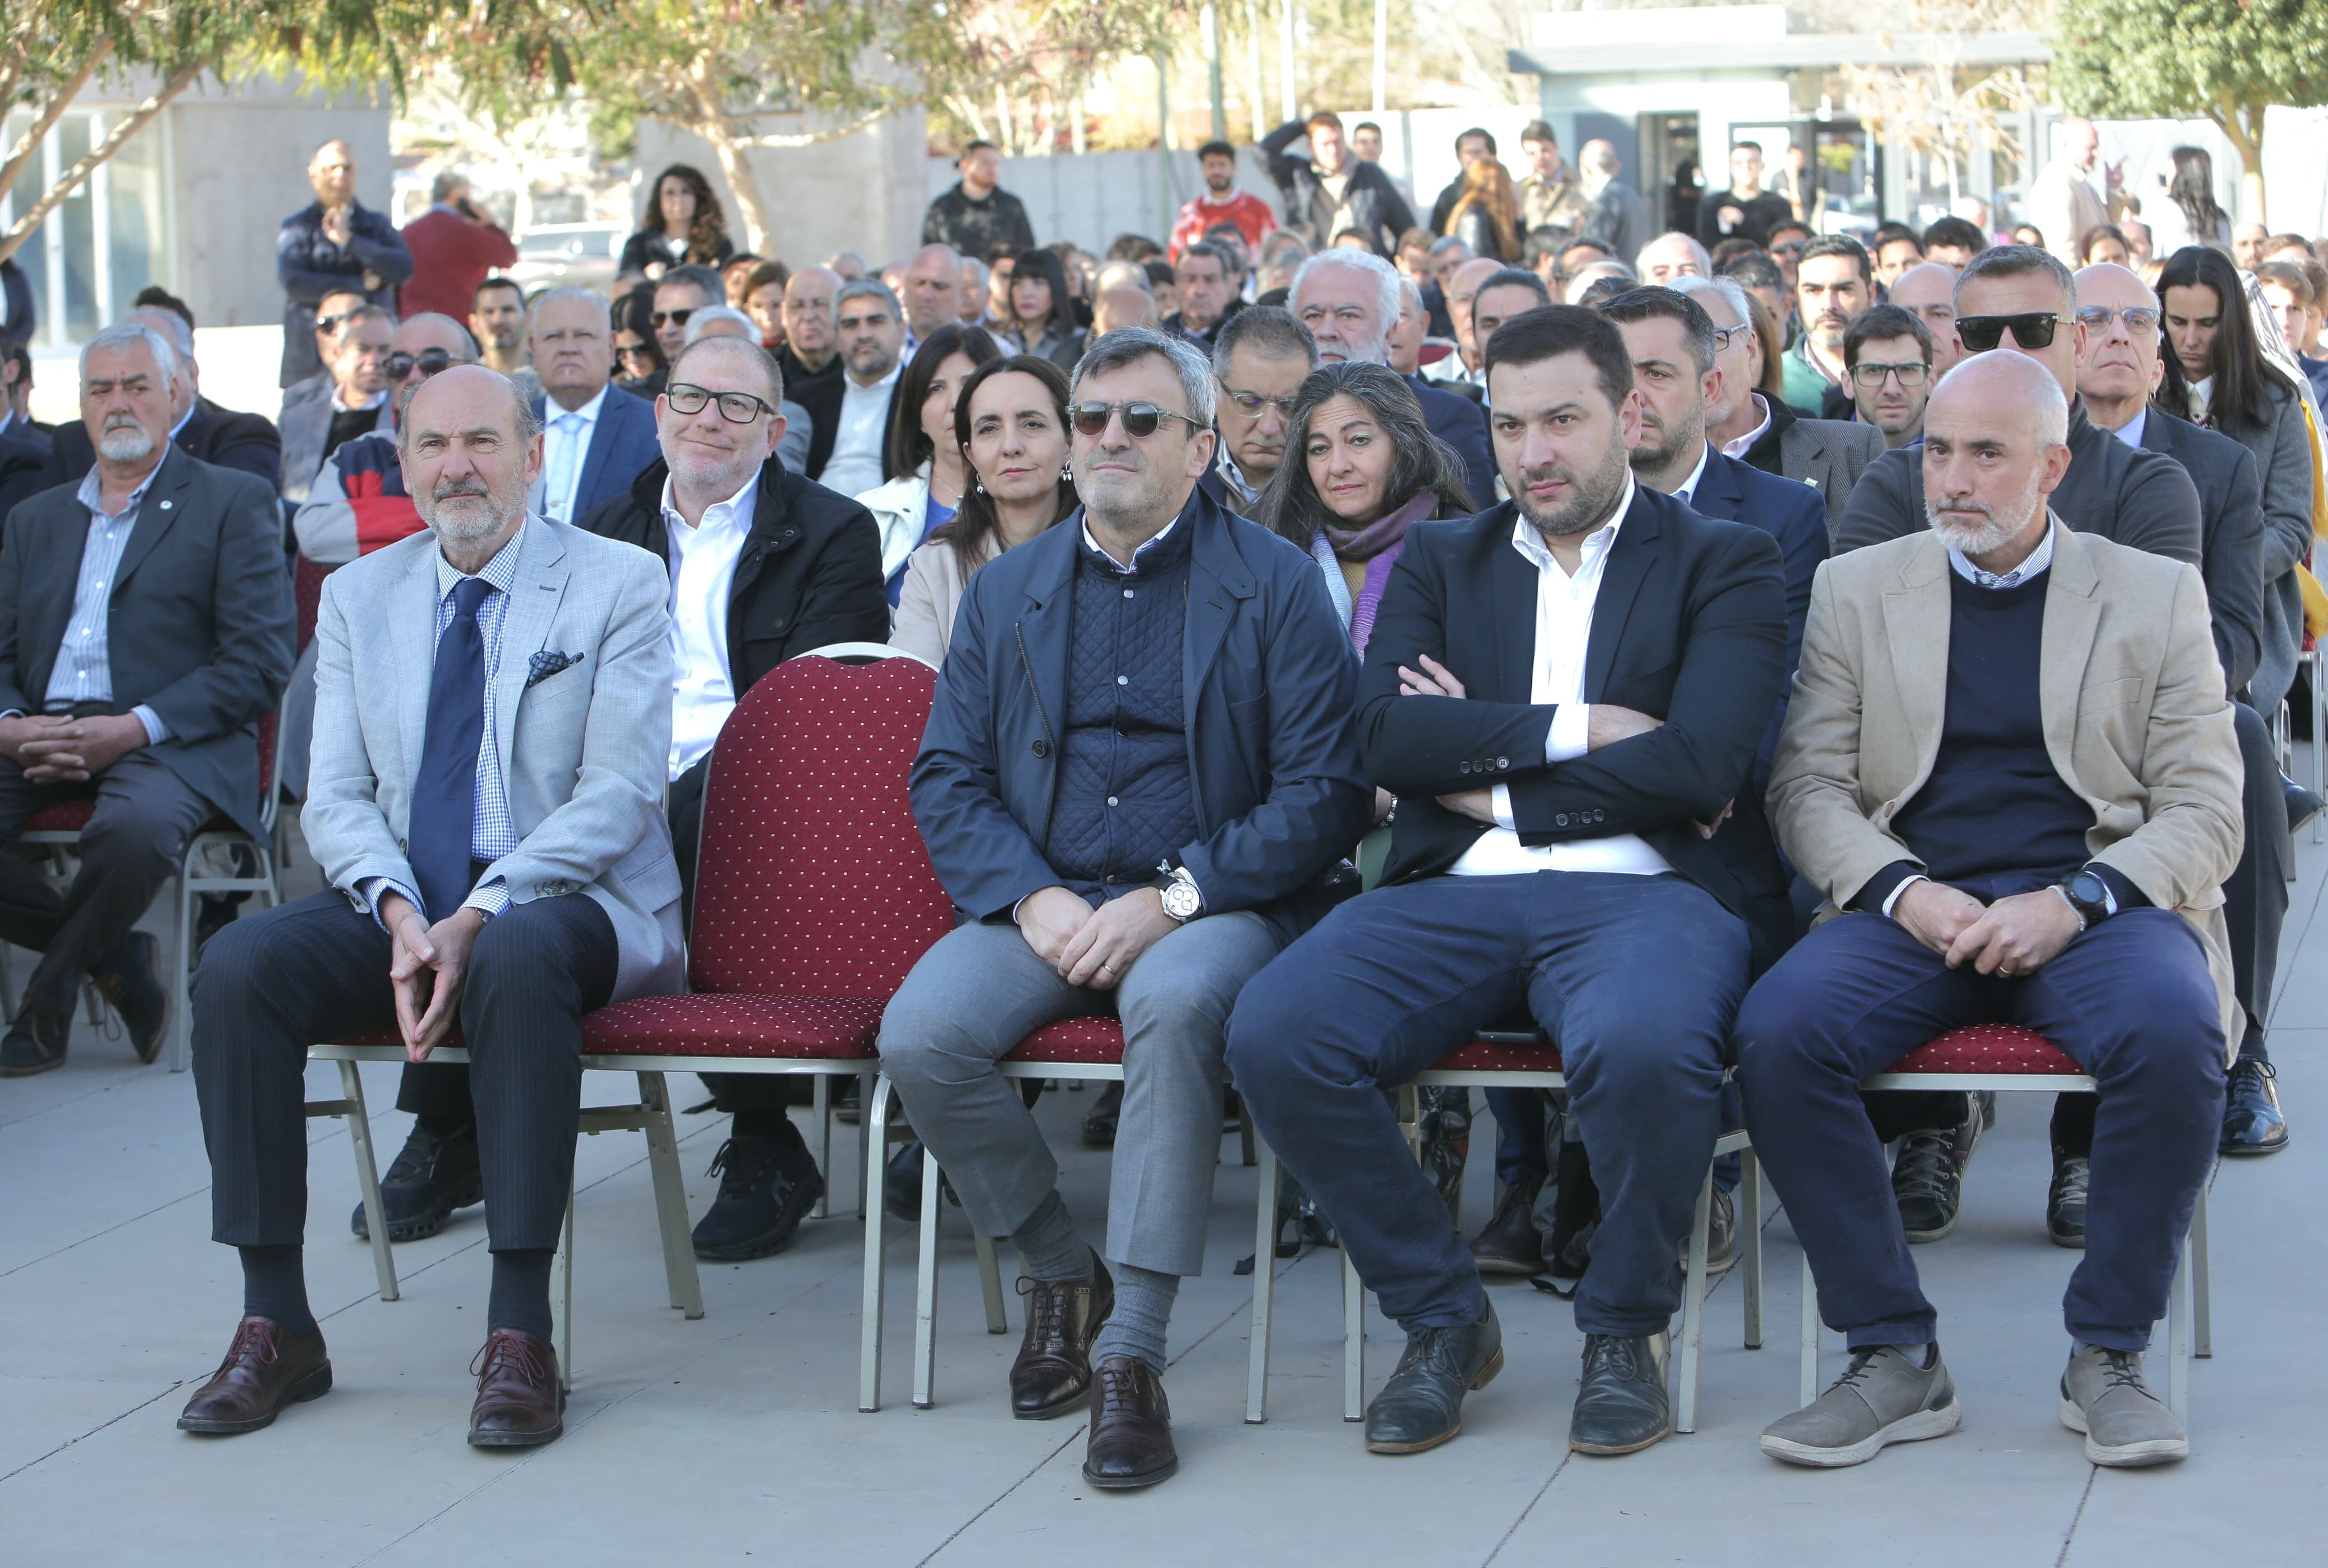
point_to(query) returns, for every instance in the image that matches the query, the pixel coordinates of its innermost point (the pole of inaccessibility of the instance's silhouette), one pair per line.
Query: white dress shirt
(1745, 443)
(860, 428)
(1563, 631)
(702, 574)
(1687, 492)
(565, 449)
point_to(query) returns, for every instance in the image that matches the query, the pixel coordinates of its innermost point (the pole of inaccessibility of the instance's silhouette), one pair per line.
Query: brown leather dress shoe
(520, 1403)
(1053, 1372)
(1131, 1427)
(264, 1370)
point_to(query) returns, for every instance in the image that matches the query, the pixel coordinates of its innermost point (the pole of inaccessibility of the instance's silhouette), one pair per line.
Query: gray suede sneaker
(1884, 1398)
(2125, 1424)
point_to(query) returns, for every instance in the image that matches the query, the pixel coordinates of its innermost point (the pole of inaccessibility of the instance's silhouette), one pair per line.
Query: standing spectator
(1831, 289)
(684, 224)
(870, 330)
(1470, 146)
(1745, 210)
(16, 394)
(2062, 202)
(1953, 242)
(1220, 201)
(1042, 316)
(1889, 354)
(455, 245)
(1550, 192)
(317, 421)
(2181, 209)
(1615, 217)
(978, 214)
(1207, 291)
(1486, 214)
(335, 241)
(497, 321)
(764, 301)
(932, 292)
(1331, 190)
(2247, 245)
(596, 437)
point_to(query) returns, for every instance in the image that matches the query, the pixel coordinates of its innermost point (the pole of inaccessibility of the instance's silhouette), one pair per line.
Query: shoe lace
(1046, 1309)
(744, 1170)
(507, 1349)
(252, 1343)
(1119, 1380)
(1855, 1374)
(2069, 1181)
(1927, 1167)
(1614, 1354)
(2123, 1369)
(2251, 1073)
(414, 1161)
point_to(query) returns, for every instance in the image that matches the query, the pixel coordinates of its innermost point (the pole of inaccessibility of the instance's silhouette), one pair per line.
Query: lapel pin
(165, 506)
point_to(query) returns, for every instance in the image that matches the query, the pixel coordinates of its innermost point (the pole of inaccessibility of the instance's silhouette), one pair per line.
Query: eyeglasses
(634, 351)
(736, 407)
(429, 362)
(1252, 403)
(1723, 336)
(1140, 419)
(2030, 329)
(676, 317)
(332, 323)
(1871, 375)
(2141, 320)
(1791, 248)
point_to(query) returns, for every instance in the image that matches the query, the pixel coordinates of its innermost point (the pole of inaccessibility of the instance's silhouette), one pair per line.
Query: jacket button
(1042, 748)
(1503, 761)
(1462, 767)
(1560, 821)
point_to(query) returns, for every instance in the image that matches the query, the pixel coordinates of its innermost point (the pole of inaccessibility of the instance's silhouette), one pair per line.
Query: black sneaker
(1511, 1244)
(768, 1185)
(901, 1183)
(432, 1176)
(34, 1044)
(132, 981)
(1099, 1126)
(1927, 1183)
(2065, 1202)
(1621, 1405)
(2253, 1122)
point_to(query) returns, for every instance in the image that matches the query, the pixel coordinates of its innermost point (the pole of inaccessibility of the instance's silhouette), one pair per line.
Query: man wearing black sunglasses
(1138, 780)
(358, 501)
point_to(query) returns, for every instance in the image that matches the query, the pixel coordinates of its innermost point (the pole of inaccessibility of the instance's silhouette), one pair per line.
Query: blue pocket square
(546, 665)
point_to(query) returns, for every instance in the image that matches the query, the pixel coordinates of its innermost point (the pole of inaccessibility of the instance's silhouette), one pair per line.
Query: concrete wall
(861, 192)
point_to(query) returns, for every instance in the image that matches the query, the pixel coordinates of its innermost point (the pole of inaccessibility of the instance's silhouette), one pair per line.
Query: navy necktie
(444, 795)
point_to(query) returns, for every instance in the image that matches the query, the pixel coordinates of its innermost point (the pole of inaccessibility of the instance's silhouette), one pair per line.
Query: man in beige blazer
(2009, 764)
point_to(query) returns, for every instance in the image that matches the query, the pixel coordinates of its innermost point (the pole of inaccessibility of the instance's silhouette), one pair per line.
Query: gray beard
(126, 444)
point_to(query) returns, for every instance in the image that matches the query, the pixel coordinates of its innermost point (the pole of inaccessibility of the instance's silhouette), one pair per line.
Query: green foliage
(2224, 59)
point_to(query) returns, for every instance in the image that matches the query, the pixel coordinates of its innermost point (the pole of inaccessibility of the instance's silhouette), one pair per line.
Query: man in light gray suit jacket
(493, 720)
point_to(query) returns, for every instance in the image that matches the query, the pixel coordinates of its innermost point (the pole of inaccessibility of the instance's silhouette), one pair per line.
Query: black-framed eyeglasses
(2032, 329)
(634, 351)
(675, 317)
(2141, 320)
(430, 362)
(1869, 374)
(736, 407)
(1252, 403)
(1140, 419)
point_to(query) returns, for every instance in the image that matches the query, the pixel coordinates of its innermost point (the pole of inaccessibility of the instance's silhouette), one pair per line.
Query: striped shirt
(84, 666)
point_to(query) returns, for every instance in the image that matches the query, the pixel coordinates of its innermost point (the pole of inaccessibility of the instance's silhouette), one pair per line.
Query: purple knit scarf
(1378, 545)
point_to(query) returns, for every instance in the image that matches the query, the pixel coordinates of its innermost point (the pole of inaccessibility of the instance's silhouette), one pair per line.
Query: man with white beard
(156, 724)
(2009, 766)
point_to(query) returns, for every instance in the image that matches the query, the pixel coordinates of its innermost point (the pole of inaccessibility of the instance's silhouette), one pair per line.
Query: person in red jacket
(455, 245)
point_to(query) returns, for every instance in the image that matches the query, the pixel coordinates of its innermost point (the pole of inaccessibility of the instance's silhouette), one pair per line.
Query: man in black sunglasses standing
(2017, 299)
(1139, 776)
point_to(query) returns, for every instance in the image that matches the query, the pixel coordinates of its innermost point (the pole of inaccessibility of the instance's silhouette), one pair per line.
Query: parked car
(568, 255)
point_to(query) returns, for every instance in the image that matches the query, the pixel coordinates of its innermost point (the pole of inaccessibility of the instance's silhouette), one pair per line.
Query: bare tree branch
(123, 129)
(30, 142)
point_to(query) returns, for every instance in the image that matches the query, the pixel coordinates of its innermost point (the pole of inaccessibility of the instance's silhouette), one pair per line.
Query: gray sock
(1048, 1246)
(1144, 1307)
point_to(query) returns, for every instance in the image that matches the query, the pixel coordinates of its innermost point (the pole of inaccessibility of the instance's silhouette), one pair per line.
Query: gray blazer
(198, 623)
(2282, 455)
(305, 421)
(585, 750)
(1829, 455)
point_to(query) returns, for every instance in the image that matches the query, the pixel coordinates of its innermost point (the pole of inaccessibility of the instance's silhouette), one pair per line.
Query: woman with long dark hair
(2184, 211)
(1042, 320)
(683, 223)
(1010, 423)
(639, 367)
(923, 452)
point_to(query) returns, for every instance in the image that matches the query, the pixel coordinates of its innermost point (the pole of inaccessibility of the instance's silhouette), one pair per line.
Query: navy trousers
(1638, 978)
(2130, 1002)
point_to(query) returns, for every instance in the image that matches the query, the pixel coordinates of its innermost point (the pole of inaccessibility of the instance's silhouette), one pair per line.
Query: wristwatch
(1182, 901)
(2088, 898)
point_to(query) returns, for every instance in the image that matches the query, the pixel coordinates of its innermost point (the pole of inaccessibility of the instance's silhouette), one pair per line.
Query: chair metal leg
(926, 1283)
(2178, 1338)
(2203, 1315)
(820, 1108)
(2319, 752)
(383, 1261)
(873, 1133)
(1693, 1308)
(182, 1024)
(670, 1197)
(869, 1148)
(1810, 1334)
(1265, 1287)
(1750, 1235)
(1354, 1341)
(989, 1280)
(561, 1300)
(1247, 1138)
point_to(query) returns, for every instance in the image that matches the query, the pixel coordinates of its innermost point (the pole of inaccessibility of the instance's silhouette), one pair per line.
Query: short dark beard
(1596, 496)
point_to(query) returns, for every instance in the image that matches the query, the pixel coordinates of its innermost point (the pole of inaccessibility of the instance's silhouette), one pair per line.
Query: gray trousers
(981, 990)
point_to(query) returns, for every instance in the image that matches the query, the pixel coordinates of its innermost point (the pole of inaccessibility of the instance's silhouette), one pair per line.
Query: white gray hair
(697, 321)
(124, 334)
(1384, 276)
(1129, 344)
(1729, 290)
(170, 323)
(571, 291)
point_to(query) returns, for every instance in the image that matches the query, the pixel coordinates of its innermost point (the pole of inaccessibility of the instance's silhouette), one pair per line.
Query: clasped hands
(1608, 724)
(1093, 947)
(428, 966)
(2012, 937)
(58, 748)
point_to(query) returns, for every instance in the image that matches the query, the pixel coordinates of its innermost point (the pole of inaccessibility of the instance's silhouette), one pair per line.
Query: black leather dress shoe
(1621, 1405)
(1099, 1125)
(1421, 1405)
(1130, 1427)
(1053, 1374)
(1510, 1244)
(767, 1186)
(2253, 1122)
(34, 1044)
(132, 981)
(265, 1369)
(2303, 805)
(520, 1402)
(432, 1176)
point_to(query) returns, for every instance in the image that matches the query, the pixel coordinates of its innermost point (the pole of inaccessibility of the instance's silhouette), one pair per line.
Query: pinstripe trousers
(272, 984)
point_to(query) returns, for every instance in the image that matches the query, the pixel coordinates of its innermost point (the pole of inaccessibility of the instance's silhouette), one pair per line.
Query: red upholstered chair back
(308, 596)
(811, 878)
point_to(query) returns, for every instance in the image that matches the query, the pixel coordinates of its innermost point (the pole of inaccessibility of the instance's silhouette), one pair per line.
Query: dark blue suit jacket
(1269, 684)
(1462, 424)
(621, 447)
(1793, 514)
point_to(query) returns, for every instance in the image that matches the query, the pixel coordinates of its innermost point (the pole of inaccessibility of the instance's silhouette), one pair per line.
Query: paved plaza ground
(737, 1439)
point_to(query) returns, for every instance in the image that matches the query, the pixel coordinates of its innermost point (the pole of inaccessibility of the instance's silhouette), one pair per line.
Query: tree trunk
(123, 129)
(2234, 121)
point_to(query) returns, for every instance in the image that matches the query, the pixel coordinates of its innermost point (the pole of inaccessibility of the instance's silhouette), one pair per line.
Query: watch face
(1182, 901)
(2089, 888)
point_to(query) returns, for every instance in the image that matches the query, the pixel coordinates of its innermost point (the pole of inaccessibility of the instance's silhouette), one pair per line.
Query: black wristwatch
(2089, 896)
